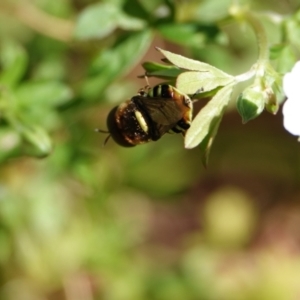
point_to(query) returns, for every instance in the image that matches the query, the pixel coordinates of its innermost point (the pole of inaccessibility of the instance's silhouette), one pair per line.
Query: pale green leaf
(212, 11)
(130, 23)
(201, 125)
(285, 57)
(101, 19)
(35, 135)
(97, 21)
(206, 144)
(44, 93)
(293, 31)
(187, 34)
(114, 62)
(39, 139)
(191, 82)
(191, 64)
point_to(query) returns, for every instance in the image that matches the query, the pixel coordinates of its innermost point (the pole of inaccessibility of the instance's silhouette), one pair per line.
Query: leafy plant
(92, 222)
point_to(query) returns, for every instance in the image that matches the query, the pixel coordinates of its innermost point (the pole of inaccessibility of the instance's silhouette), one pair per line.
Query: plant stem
(262, 40)
(38, 20)
(245, 76)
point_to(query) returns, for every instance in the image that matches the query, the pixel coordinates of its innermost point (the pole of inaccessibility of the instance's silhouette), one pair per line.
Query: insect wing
(163, 112)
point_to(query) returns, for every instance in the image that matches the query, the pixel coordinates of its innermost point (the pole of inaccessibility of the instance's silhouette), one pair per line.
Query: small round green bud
(251, 103)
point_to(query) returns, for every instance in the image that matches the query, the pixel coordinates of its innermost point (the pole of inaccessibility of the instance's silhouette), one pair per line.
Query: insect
(149, 115)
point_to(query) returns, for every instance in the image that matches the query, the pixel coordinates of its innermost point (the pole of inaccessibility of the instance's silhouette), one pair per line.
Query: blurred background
(83, 221)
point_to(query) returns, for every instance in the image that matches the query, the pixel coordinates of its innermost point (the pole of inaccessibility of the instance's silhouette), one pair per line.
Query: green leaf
(152, 6)
(97, 21)
(47, 93)
(191, 82)
(36, 136)
(206, 118)
(285, 57)
(190, 64)
(14, 61)
(293, 30)
(101, 19)
(130, 23)
(206, 144)
(207, 79)
(212, 11)
(51, 68)
(160, 70)
(39, 139)
(275, 51)
(183, 34)
(115, 62)
(136, 9)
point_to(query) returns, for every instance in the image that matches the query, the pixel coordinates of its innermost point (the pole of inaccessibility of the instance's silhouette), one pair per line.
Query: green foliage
(120, 59)
(161, 70)
(82, 221)
(100, 20)
(206, 122)
(14, 62)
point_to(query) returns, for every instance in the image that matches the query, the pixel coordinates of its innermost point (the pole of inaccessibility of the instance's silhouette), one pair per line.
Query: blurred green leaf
(40, 144)
(285, 57)
(170, 285)
(154, 12)
(209, 11)
(276, 50)
(14, 61)
(152, 6)
(204, 120)
(187, 34)
(97, 21)
(129, 23)
(115, 62)
(292, 29)
(101, 19)
(37, 137)
(45, 93)
(51, 68)
(137, 9)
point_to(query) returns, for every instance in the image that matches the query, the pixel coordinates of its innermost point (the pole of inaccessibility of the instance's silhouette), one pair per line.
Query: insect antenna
(143, 91)
(146, 78)
(103, 131)
(200, 90)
